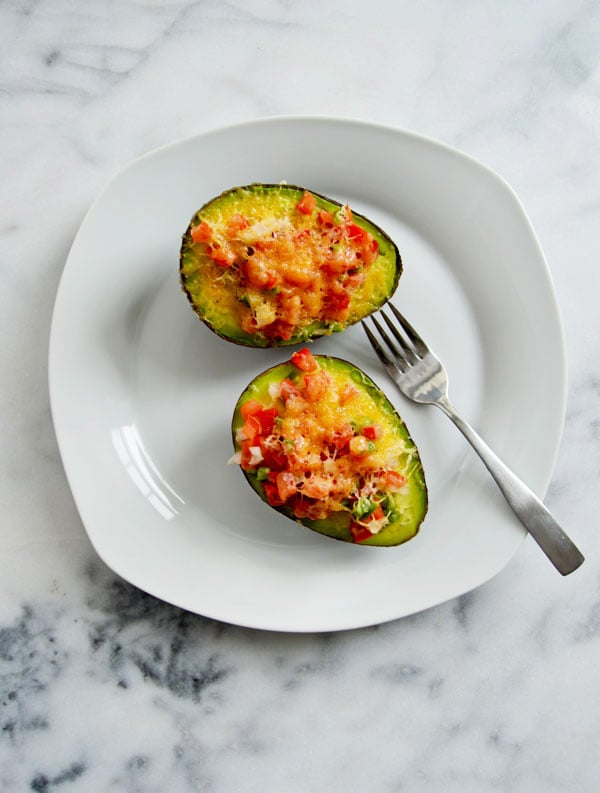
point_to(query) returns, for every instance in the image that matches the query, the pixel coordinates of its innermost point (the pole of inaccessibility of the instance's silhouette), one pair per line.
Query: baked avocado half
(267, 265)
(322, 444)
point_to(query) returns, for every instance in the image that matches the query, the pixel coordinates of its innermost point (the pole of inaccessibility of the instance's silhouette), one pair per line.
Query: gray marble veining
(105, 688)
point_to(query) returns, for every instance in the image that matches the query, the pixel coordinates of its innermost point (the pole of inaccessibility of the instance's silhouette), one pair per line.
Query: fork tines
(408, 347)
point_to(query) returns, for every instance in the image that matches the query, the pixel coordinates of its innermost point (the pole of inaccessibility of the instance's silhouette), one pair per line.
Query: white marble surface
(103, 688)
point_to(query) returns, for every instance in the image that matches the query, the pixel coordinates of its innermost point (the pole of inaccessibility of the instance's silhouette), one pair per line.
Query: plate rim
(342, 121)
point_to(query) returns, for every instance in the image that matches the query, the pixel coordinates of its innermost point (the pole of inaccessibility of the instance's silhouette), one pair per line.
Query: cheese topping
(326, 447)
(282, 269)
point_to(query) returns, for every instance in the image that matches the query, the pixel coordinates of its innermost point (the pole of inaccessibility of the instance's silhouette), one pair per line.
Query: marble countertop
(104, 688)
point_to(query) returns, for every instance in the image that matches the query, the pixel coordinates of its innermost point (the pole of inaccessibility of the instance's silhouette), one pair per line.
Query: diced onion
(256, 455)
(274, 390)
(235, 459)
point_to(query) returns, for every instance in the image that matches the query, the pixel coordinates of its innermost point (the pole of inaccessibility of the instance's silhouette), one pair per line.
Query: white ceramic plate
(142, 392)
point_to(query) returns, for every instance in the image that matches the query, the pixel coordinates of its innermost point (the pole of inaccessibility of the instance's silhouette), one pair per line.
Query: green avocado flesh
(348, 443)
(262, 272)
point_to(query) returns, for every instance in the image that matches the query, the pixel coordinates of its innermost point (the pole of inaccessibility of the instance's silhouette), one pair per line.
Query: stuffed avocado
(321, 443)
(267, 265)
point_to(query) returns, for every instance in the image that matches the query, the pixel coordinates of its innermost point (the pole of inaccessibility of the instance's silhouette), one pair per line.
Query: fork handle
(538, 521)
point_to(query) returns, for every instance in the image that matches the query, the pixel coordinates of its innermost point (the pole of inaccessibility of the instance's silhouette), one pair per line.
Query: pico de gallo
(282, 264)
(319, 442)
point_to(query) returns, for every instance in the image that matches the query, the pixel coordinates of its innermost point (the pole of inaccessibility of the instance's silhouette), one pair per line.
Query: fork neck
(444, 404)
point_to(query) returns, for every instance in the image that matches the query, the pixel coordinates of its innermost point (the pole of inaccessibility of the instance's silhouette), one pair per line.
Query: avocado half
(298, 442)
(268, 265)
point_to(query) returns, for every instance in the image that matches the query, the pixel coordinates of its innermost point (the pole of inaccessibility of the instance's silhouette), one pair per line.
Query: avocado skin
(391, 535)
(315, 330)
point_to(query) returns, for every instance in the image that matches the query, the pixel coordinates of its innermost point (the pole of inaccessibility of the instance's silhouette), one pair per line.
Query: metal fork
(420, 376)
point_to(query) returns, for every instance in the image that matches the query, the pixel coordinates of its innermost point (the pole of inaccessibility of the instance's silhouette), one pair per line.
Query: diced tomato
(316, 487)
(246, 455)
(354, 280)
(236, 224)
(356, 233)
(300, 236)
(373, 432)
(288, 389)
(299, 507)
(272, 494)
(341, 436)
(250, 408)
(325, 218)
(274, 459)
(304, 507)
(377, 514)
(315, 385)
(266, 419)
(259, 275)
(224, 257)
(202, 232)
(338, 264)
(359, 533)
(304, 360)
(392, 480)
(286, 485)
(259, 421)
(290, 307)
(279, 330)
(370, 250)
(307, 203)
(338, 302)
(251, 428)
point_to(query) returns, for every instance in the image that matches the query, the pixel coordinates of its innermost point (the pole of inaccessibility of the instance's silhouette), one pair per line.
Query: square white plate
(142, 392)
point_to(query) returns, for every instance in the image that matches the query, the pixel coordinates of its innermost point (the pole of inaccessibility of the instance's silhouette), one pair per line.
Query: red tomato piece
(304, 360)
(250, 408)
(246, 455)
(338, 302)
(307, 203)
(288, 389)
(370, 250)
(290, 308)
(272, 494)
(336, 265)
(259, 275)
(315, 385)
(325, 218)
(266, 419)
(316, 487)
(251, 428)
(377, 514)
(341, 436)
(274, 459)
(224, 257)
(286, 485)
(202, 232)
(279, 330)
(354, 280)
(373, 432)
(306, 507)
(301, 235)
(356, 233)
(393, 480)
(359, 533)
